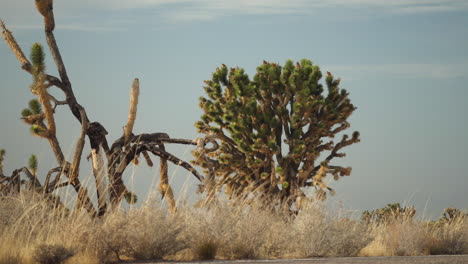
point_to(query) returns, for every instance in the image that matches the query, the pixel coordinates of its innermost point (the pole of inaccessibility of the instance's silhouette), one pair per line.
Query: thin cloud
(89, 28)
(400, 71)
(281, 6)
(180, 11)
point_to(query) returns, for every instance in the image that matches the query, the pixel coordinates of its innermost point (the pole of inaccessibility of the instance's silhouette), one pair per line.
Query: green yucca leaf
(37, 55)
(35, 129)
(26, 112)
(35, 106)
(33, 162)
(131, 198)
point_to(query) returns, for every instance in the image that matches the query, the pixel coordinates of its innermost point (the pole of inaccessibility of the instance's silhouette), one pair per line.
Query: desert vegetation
(266, 143)
(268, 134)
(33, 231)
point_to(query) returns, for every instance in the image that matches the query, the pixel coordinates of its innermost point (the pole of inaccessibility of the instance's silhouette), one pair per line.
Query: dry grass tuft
(320, 234)
(450, 238)
(402, 238)
(31, 231)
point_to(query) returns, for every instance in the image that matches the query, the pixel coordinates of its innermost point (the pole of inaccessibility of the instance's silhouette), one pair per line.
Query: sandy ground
(453, 259)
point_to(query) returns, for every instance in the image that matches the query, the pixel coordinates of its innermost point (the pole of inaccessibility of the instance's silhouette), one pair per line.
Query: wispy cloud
(190, 10)
(400, 71)
(281, 6)
(175, 11)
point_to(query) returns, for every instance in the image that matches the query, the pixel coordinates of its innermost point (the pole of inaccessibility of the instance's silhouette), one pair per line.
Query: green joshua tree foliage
(131, 197)
(34, 117)
(273, 134)
(33, 164)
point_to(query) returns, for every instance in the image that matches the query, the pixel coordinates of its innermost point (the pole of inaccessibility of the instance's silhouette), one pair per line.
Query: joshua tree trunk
(101, 185)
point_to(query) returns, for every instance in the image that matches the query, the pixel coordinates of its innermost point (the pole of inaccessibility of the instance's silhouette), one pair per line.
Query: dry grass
(414, 238)
(400, 238)
(32, 232)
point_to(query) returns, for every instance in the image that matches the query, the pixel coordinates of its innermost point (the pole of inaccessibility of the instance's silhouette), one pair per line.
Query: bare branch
(15, 48)
(343, 143)
(25, 64)
(60, 185)
(31, 177)
(45, 7)
(148, 159)
(75, 166)
(178, 141)
(50, 185)
(57, 102)
(134, 93)
(163, 154)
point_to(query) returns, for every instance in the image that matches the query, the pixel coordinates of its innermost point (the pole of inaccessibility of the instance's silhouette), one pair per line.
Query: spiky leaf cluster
(34, 116)
(39, 110)
(38, 66)
(130, 197)
(32, 162)
(271, 129)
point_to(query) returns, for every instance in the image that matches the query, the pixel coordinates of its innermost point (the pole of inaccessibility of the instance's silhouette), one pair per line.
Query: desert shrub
(201, 231)
(113, 233)
(226, 230)
(450, 240)
(399, 238)
(10, 258)
(206, 250)
(51, 254)
(9, 255)
(244, 237)
(153, 233)
(83, 258)
(405, 238)
(318, 234)
(236, 230)
(450, 233)
(251, 229)
(11, 210)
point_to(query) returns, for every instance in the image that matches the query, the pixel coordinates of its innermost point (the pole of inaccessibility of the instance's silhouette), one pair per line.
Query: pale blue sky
(405, 63)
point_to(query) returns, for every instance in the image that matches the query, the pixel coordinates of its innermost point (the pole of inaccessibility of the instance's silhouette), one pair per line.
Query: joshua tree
(40, 116)
(14, 184)
(270, 135)
(452, 215)
(388, 214)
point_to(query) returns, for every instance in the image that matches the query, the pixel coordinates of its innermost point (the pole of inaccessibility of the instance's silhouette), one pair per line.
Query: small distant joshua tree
(272, 136)
(452, 215)
(40, 117)
(389, 214)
